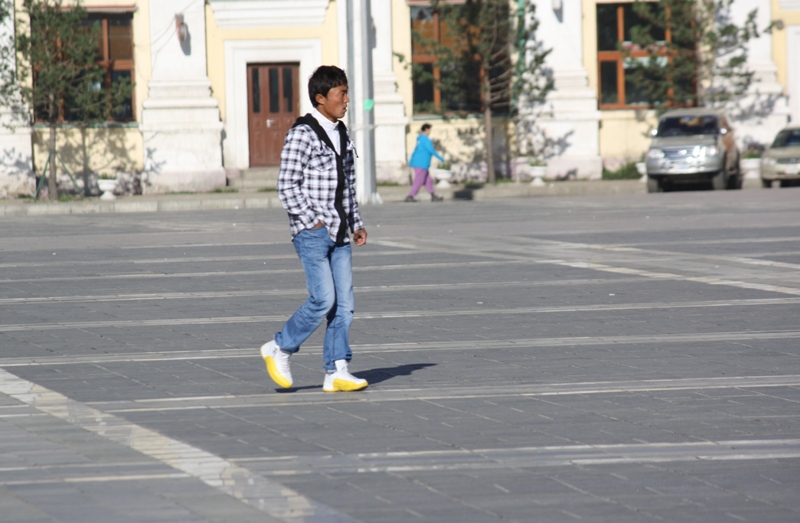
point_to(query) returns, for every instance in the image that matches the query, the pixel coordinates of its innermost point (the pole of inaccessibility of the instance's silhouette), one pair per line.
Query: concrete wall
(624, 134)
(108, 150)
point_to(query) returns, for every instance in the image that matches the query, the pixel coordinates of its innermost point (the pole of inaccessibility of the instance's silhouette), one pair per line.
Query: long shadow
(295, 389)
(374, 376)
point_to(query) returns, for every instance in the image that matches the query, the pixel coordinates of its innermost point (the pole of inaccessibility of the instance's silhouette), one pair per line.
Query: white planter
(108, 187)
(641, 168)
(751, 168)
(538, 172)
(442, 177)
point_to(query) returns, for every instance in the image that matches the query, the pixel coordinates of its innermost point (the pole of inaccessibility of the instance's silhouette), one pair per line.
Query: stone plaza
(626, 358)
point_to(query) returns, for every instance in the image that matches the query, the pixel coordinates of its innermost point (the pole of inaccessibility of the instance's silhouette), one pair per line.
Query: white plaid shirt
(307, 183)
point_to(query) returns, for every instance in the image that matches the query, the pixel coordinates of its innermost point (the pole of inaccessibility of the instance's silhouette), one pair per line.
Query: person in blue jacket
(421, 162)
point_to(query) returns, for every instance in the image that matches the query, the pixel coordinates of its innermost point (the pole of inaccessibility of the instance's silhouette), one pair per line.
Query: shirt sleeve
(429, 147)
(294, 158)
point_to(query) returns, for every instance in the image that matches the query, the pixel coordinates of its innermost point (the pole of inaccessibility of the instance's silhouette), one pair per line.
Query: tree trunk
(487, 123)
(52, 184)
(85, 173)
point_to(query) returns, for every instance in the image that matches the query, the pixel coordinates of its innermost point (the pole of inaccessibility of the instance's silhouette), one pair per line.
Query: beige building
(218, 83)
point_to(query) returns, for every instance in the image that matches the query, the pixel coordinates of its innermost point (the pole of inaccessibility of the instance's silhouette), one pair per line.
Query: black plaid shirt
(307, 183)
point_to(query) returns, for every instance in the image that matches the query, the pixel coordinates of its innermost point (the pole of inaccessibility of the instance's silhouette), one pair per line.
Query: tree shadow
(91, 151)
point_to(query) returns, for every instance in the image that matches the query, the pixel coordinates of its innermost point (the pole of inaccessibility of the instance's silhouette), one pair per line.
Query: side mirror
(654, 133)
(723, 131)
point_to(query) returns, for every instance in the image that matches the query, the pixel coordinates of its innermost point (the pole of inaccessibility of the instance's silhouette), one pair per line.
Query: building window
(430, 96)
(614, 23)
(115, 55)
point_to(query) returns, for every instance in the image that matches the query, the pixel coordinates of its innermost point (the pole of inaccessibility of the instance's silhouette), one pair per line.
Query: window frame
(431, 59)
(113, 65)
(427, 59)
(110, 66)
(619, 57)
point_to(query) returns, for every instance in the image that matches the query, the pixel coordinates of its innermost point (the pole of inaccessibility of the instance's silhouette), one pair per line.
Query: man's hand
(360, 237)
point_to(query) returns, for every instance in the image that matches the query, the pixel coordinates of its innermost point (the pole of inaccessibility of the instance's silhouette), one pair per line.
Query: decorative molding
(789, 5)
(239, 53)
(237, 14)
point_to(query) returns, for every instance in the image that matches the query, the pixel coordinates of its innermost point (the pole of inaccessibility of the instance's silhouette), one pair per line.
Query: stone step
(253, 179)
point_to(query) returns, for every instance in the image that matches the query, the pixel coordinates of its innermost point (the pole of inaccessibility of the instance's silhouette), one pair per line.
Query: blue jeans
(329, 279)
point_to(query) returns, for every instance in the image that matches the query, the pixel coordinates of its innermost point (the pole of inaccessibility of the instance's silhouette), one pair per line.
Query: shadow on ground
(374, 376)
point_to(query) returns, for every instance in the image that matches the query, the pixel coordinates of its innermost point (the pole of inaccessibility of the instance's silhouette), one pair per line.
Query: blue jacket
(421, 157)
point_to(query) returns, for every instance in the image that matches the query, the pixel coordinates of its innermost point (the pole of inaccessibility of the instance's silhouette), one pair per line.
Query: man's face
(334, 106)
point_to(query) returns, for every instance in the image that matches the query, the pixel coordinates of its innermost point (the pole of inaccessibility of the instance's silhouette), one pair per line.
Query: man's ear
(320, 99)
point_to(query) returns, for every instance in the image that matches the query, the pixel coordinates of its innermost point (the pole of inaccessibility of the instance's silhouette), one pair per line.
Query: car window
(787, 138)
(687, 125)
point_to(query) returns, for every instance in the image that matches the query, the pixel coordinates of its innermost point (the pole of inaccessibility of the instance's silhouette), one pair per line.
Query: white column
(355, 78)
(180, 125)
(793, 59)
(16, 154)
(390, 117)
(765, 111)
(570, 120)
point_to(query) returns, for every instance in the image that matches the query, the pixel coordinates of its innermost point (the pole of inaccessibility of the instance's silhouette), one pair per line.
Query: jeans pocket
(312, 238)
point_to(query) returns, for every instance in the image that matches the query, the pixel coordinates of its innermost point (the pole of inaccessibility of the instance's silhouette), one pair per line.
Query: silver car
(693, 145)
(781, 162)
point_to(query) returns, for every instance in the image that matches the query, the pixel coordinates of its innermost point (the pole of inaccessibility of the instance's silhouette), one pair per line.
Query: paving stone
(489, 299)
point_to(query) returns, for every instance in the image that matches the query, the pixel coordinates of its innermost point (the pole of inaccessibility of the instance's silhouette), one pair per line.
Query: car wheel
(766, 184)
(788, 183)
(719, 181)
(735, 182)
(654, 185)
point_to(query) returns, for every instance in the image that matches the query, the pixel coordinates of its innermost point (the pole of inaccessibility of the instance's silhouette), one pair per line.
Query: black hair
(325, 78)
(425, 127)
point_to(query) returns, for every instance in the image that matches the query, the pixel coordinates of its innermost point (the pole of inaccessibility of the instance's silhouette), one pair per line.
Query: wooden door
(273, 106)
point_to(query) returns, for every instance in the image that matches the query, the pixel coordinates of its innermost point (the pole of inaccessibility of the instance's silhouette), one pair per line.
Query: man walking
(316, 186)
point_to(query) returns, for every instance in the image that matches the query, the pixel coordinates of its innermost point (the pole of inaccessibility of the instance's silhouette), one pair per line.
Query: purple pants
(421, 176)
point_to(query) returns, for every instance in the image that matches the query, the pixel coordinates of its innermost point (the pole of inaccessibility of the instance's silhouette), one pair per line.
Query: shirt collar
(324, 122)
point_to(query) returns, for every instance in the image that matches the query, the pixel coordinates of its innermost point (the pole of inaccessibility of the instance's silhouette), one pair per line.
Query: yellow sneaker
(342, 381)
(277, 364)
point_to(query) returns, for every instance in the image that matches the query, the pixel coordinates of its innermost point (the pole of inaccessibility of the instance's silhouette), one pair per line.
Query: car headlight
(655, 154)
(701, 151)
(768, 162)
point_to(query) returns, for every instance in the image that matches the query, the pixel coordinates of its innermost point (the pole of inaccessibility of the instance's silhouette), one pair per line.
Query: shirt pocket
(322, 159)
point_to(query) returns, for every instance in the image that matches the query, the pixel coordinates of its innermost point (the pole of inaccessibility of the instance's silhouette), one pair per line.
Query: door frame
(239, 53)
(294, 67)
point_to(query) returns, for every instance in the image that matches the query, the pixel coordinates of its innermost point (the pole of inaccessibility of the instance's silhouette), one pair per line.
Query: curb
(141, 204)
(392, 194)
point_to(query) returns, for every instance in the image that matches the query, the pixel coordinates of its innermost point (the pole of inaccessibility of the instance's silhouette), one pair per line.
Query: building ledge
(789, 5)
(237, 14)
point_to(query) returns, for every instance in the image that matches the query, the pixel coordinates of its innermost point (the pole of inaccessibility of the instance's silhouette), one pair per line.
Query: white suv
(693, 145)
